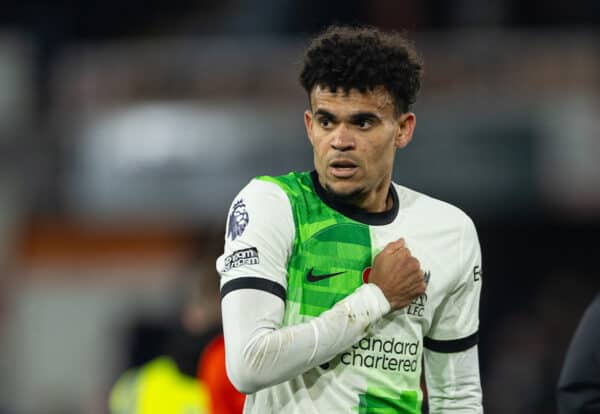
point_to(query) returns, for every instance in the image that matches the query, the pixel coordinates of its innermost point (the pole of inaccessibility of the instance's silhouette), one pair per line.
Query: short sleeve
(455, 325)
(258, 240)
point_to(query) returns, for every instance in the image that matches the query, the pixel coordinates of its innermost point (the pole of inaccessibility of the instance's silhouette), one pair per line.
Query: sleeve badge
(238, 220)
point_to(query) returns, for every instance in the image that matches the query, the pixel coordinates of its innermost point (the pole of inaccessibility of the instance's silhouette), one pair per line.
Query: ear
(308, 118)
(406, 126)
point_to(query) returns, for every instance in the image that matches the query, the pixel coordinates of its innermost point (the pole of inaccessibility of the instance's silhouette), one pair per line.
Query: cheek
(379, 149)
(380, 156)
(320, 146)
(318, 154)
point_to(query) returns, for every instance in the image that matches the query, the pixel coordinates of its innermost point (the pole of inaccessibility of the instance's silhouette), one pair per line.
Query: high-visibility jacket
(158, 387)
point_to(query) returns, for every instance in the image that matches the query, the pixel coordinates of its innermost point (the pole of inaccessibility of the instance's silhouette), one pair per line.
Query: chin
(347, 193)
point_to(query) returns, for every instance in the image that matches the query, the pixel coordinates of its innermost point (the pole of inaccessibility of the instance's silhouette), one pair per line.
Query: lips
(343, 168)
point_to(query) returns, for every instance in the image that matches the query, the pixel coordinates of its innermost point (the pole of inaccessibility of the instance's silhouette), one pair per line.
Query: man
(335, 283)
(224, 398)
(164, 354)
(579, 383)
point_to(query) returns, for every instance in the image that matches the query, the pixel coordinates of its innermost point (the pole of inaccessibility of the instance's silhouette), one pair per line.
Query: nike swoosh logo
(315, 278)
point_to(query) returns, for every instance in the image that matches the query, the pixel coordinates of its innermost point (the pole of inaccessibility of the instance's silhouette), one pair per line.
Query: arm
(458, 388)
(259, 352)
(579, 383)
(451, 361)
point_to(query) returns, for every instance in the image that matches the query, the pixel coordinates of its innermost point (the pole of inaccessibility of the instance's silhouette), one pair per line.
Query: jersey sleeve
(258, 240)
(453, 383)
(259, 351)
(450, 354)
(455, 324)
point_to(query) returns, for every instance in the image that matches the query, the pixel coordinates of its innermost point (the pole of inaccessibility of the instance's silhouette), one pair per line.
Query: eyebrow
(325, 113)
(353, 118)
(364, 115)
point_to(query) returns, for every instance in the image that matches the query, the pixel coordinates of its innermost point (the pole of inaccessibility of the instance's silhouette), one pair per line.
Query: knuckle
(413, 264)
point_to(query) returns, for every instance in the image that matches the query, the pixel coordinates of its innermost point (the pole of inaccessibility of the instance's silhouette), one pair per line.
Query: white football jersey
(288, 239)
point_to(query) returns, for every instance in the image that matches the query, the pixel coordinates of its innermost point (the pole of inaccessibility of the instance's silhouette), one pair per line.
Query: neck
(364, 212)
(376, 201)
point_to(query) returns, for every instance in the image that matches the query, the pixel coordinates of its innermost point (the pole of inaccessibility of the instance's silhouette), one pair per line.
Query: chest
(330, 263)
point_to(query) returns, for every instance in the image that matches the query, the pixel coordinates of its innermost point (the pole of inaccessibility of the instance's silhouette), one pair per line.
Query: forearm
(453, 382)
(261, 353)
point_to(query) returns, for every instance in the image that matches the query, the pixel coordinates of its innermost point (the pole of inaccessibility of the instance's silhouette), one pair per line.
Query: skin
(355, 137)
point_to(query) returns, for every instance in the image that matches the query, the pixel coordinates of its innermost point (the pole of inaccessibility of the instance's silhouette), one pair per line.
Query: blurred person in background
(212, 374)
(325, 308)
(165, 356)
(529, 342)
(579, 382)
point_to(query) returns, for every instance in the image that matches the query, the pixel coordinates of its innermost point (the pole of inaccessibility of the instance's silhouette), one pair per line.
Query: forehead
(377, 100)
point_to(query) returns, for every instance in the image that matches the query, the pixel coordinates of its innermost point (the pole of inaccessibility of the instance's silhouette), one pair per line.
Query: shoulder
(260, 202)
(262, 186)
(260, 195)
(293, 183)
(289, 192)
(281, 186)
(435, 212)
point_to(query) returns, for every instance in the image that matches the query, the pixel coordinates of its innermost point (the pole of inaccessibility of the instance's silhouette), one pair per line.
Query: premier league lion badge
(238, 220)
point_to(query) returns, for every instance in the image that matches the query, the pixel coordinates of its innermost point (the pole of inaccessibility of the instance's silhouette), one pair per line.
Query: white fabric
(270, 229)
(457, 316)
(260, 353)
(280, 365)
(453, 384)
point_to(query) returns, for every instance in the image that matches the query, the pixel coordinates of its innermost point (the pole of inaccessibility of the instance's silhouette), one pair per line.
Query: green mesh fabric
(405, 403)
(326, 242)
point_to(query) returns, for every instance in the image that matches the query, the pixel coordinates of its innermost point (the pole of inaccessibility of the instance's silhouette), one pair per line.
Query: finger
(404, 251)
(398, 248)
(396, 244)
(406, 263)
(416, 291)
(417, 280)
(419, 276)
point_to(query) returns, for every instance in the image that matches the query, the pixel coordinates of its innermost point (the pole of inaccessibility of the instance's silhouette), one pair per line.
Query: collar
(353, 212)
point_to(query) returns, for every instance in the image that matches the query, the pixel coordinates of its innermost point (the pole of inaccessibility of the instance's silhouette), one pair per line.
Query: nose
(343, 140)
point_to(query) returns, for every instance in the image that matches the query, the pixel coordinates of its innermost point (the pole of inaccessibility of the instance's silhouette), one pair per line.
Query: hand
(398, 274)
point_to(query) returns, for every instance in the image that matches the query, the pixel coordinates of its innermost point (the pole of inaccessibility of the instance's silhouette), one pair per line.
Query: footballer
(337, 283)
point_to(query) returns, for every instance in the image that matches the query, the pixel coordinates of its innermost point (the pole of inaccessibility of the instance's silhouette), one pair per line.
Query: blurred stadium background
(126, 128)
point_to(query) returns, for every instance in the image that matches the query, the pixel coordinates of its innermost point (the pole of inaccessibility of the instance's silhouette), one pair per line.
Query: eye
(325, 122)
(364, 124)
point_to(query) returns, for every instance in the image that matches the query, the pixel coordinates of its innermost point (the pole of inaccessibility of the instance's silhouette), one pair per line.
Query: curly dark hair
(363, 58)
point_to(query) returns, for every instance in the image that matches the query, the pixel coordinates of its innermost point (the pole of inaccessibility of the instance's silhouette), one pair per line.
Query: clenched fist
(398, 274)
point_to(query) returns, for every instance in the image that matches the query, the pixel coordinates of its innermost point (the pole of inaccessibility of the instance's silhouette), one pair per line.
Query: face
(354, 137)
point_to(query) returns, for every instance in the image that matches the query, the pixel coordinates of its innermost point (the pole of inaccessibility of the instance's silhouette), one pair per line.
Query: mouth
(343, 168)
